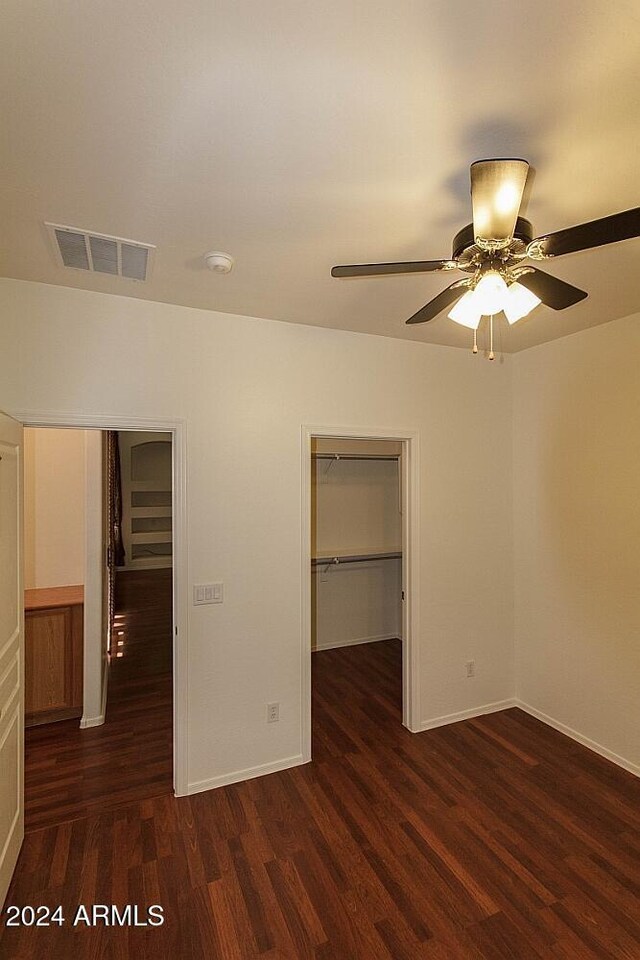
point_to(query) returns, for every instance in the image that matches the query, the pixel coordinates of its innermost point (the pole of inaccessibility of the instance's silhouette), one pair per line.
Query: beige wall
(63, 536)
(54, 534)
(577, 533)
(356, 603)
(357, 507)
(244, 388)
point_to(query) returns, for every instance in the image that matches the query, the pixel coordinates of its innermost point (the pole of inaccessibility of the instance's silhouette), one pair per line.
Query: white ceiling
(296, 135)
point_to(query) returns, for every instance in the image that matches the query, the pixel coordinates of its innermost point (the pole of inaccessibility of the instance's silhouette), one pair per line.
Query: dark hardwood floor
(71, 773)
(491, 839)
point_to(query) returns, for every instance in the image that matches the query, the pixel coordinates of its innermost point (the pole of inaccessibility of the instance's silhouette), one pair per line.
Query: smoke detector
(219, 262)
(99, 253)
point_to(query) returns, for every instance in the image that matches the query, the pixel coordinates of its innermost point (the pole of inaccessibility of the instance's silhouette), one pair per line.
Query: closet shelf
(151, 536)
(354, 456)
(339, 558)
(140, 512)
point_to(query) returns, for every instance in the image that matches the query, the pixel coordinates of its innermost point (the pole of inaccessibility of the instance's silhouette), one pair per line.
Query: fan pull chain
(475, 340)
(491, 353)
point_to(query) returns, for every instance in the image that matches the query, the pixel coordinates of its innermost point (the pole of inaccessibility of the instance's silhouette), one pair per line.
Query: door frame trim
(178, 430)
(410, 439)
(13, 707)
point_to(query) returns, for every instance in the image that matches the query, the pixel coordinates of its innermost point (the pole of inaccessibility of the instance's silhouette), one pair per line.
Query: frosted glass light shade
(466, 311)
(496, 194)
(518, 302)
(490, 293)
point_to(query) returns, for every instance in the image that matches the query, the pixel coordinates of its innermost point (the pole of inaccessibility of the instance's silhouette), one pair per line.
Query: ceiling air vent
(99, 253)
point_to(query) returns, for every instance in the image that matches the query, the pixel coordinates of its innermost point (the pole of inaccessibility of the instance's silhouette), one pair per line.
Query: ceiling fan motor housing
(466, 251)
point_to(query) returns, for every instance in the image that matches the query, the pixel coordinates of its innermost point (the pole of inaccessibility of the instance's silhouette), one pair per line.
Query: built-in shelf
(151, 512)
(143, 551)
(151, 524)
(156, 536)
(151, 498)
(147, 499)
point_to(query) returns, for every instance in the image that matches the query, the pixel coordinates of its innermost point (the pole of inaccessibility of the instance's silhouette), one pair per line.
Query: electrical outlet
(470, 668)
(273, 712)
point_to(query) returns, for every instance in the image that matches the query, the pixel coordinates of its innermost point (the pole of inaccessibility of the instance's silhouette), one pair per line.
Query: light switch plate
(208, 593)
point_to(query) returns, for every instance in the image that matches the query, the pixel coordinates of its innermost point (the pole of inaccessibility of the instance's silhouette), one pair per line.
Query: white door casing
(11, 651)
(410, 499)
(178, 430)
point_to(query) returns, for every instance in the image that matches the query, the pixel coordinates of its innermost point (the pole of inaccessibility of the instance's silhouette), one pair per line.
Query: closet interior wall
(356, 511)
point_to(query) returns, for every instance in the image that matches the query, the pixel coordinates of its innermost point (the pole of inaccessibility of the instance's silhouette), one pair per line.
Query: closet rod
(359, 558)
(354, 456)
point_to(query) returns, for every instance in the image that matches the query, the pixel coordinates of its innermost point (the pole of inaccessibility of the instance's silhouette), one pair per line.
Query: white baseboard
(248, 774)
(353, 643)
(87, 722)
(105, 684)
(467, 714)
(263, 769)
(579, 738)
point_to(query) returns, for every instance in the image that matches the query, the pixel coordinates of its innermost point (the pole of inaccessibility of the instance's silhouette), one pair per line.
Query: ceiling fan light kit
(493, 250)
(492, 296)
(466, 311)
(489, 293)
(519, 302)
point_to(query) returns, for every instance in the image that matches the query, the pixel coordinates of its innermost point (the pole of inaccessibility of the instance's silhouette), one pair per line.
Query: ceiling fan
(493, 251)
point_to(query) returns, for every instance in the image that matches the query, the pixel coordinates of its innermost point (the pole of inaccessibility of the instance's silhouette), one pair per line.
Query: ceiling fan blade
(439, 303)
(383, 269)
(553, 292)
(595, 233)
(496, 194)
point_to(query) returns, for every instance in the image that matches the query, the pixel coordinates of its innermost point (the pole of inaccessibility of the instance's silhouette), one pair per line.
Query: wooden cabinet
(53, 654)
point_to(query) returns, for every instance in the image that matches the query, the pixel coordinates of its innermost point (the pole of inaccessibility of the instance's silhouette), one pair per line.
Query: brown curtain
(115, 497)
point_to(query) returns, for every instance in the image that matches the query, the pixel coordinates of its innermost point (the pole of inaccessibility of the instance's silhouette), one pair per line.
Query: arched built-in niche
(146, 467)
(151, 461)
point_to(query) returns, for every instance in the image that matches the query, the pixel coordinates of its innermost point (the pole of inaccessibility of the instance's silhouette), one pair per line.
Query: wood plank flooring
(491, 839)
(71, 773)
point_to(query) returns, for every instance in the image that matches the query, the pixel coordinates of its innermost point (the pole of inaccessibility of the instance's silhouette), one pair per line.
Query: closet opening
(361, 664)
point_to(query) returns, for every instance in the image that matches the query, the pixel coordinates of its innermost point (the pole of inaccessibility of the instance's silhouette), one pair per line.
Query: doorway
(360, 562)
(162, 610)
(98, 643)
